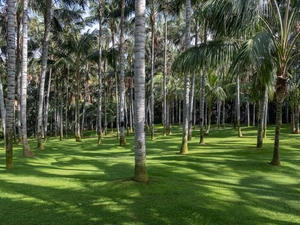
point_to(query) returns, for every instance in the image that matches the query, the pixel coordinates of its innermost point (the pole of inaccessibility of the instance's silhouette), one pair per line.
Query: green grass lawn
(225, 181)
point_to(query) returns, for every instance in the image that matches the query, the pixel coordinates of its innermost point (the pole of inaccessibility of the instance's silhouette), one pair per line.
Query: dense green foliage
(225, 181)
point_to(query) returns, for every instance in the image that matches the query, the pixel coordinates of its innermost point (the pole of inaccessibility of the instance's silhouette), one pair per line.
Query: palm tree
(140, 171)
(122, 78)
(186, 100)
(11, 66)
(214, 93)
(47, 23)
(100, 76)
(26, 149)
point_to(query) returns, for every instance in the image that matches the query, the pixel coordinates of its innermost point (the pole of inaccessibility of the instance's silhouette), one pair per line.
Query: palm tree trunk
(254, 114)
(281, 88)
(209, 113)
(99, 109)
(152, 20)
(77, 116)
(47, 22)
(165, 74)
(11, 67)
(238, 106)
(3, 111)
(202, 101)
(261, 121)
(186, 104)
(223, 115)
(122, 80)
(26, 149)
(140, 171)
(47, 103)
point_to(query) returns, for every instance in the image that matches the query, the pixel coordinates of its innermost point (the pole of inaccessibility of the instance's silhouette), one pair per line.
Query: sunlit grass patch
(225, 181)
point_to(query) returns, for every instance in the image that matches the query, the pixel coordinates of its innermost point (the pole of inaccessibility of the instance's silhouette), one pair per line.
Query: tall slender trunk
(26, 149)
(165, 74)
(99, 102)
(202, 101)
(122, 79)
(11, 73)
(77, 116)
(281, 89)
(254, 114)
(186, 104)
(47, 24)
(248, 113)
(47, 103)
(219, 105)
(261, 121)
(3, 111)
(152, 20)
(140, 171)
(224, 114)
(266, 109)
(86, 91)
(238, 106)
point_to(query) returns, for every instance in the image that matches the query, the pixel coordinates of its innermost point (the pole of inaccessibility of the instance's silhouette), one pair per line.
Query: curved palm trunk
(122, 82)
(26, 149)
(186, 102)
(11, 67)
(100, 77)
(140, 171)
(47, 19)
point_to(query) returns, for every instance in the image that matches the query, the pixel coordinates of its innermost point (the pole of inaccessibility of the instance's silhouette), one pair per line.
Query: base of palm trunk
(152, 136)
(201, 142)
(190, 137)
(99, 140)
(28, 153)
(259, 145)
(40, 146)
(240, 133)
(9, 162)
(184, 147)
(275, 162)
(122, 141)
(140, 173)
(78, 139)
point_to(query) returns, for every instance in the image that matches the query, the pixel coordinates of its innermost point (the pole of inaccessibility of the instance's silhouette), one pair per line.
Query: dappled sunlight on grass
(225, 181)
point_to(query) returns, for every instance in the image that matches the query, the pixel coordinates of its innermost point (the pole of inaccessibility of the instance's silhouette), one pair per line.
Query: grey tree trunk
(186, 100)
(152, 21)
(11, 72)
(140, 171)
(165, 75)
(99, 101)
(47, 24)
(202, 102)
(122, 79)
(26, 149)
(261, 122)
(238, 106)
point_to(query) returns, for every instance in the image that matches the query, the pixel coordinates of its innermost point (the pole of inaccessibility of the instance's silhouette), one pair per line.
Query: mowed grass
(225, 181)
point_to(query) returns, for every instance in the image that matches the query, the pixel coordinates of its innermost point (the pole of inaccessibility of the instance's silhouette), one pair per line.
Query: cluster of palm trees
(79, 75)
